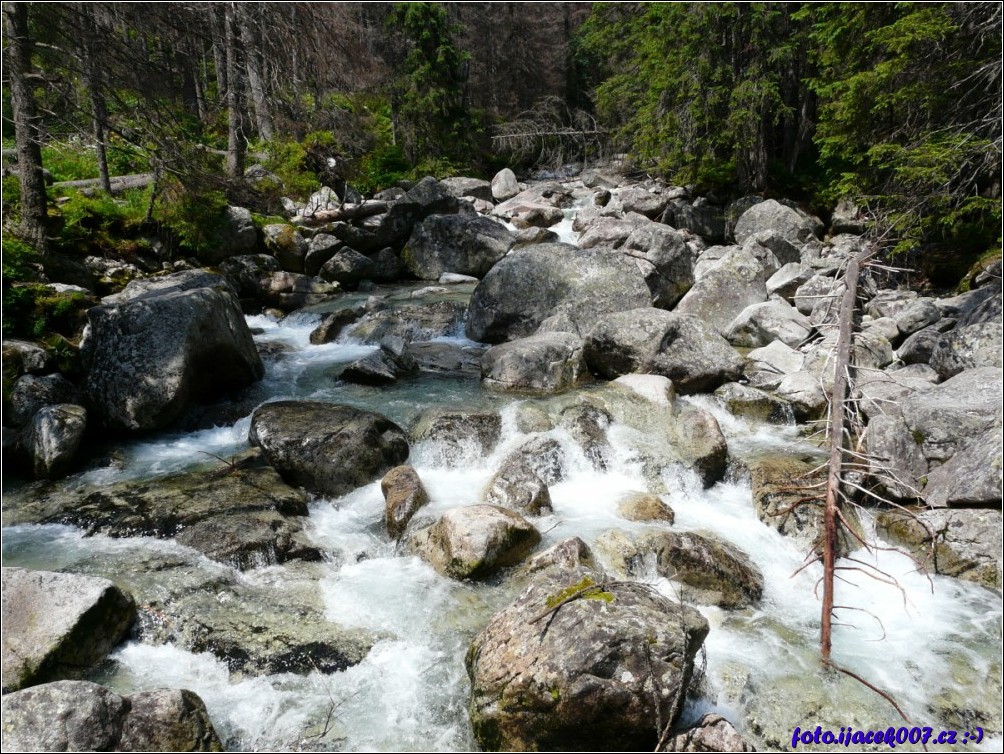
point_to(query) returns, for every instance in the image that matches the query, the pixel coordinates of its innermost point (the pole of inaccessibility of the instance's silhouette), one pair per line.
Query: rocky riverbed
(555, 493)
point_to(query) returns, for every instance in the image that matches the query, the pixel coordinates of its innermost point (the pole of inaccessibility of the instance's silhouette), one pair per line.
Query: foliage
(20, 261)
(76, 160)
(196, 216)
(433, 119)
(100, 223)
(32, 310)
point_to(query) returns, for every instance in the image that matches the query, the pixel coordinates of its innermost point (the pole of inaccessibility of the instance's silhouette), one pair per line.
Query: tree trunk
(249, 38)
(29, 153)
(94, 81)
(235, 122)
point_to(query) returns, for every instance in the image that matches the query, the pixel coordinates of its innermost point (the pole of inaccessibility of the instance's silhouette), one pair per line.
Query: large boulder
(469, 245)
(706, 220)
(543, 363)
(455, 438)
(475, 541)
(640, 200)
(970, 347)
(961, 543)
(185, 280)
(665, 259)
(539, 195)
(56, 625)
(30, 393)
(348, 268)
(150, 358)
(718, 296)
(82, 716)
(410, 323)
(554, 281)
(51, 441)
(711, 733)
(291, 290)
(236, 235)
(761, 324)
(575, 664)
(518, 487)
(387, 364)
(285, 243)
(504, 185)
(477, 188)
(777, 218)
(327, 449)
(245, 273)
(653, 341)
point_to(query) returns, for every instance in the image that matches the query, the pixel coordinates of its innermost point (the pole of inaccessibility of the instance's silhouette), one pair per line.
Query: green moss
(586, 589)
(918, 437)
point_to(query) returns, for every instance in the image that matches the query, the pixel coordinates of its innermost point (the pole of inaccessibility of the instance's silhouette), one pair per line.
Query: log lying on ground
(345, 212)
(119, 183)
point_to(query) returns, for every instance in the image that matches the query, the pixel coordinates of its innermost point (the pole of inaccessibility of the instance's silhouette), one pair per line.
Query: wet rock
(517, 486)
(652, 341)
(587, 424)
(969, 347)
(564, 556)
(241, 514)
(717, 297)
(504, 185)
(784, 496)
(151, 358)
(30, 394)
(475, 541)
(327, 449)
(56, 625)
(644, 506)
(63, 716)
(961, 543)
(532, 284)
(711, 733)
(457, 437)
(543, 363)
(700, 443)
(452, 278)
(537, 217)
(582, 676)
(168, 720)
(334, 323)
(447, 358)
(291, 290)
(52, 439)
(411, 323)
(759, 325)
(404, 494)
(804, 391)
(743, 400)
(652, 387)
(455, 243)
(383, 367)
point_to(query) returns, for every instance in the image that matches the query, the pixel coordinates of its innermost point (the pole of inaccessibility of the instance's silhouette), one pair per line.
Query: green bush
(19, 260)
(195, 216)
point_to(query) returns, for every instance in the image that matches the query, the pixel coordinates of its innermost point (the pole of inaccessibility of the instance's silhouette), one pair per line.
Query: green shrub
(196, 217)
(20, 260)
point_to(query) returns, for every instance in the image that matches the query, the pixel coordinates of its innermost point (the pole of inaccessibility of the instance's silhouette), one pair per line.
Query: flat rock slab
(241, 514)
(58, 624)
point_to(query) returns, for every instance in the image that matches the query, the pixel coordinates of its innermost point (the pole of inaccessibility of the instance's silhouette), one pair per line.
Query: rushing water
(940, 654)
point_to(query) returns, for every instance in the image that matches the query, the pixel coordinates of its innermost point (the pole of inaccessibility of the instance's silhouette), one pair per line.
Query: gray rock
(473, 187)
(788, 279)
(149, 359)
(610, 231)
(821, 289)
(57, 625)
(327, 449)
(664, 259)
(918, 315)
(291, 290)
(404, 494)
(804, 391)
(245, 273)
(637, 199)
(644, 506)
(63, 716)
(475, 541)
(348, 268)
(285, 243)
(455, 243)
(410, 323)
(30, 394)
(432, 198)
(961, 543)
(706, 220)
(383, 367)
(457, 437)
(711, 733)
(540, 195)
(566, 555)
(186, 280)
(652, 341)
(581, 676)
(972, 476)
(723, 291)
(237, 235)
(777, 250)
(447, 358)
(884, 326)
(537, 217)
(878, 393)
(52, 439)
(759, 325)
(847, 217)
(334, 323)
(533, 236)
(700, 443)
(517, 486)
(246, 517)
(775, 358)
(969, 347)
(544, 456)
(504, 185)
(386, 266)
(22, 357)
(773, 216)
(919, 347)
(535, 283)
(168, 720)
(544, 363)
(453, 278)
